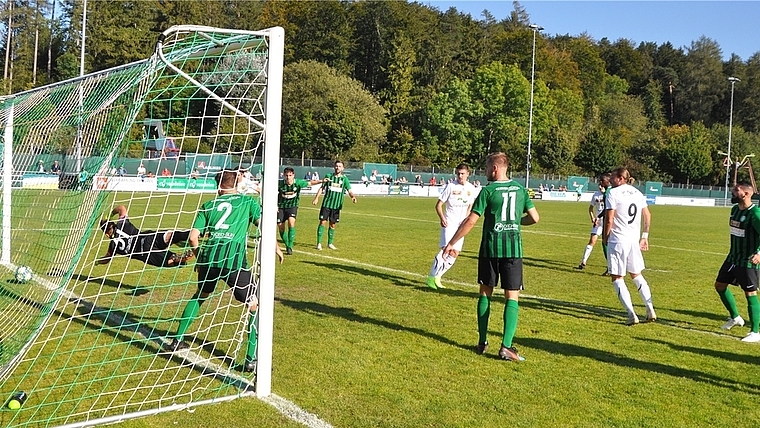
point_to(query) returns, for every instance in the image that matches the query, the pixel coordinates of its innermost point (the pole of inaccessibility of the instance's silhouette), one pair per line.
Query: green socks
(320, 232)
(484, 311)
(753, 307)
(330, 235)
(188, 316)
(250, 354)
(510, 322)
(291, 237)
(728, 301)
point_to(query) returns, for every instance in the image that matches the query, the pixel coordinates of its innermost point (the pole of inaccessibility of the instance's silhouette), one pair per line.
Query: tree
(325, 114)
(702, 81)
(686, 155)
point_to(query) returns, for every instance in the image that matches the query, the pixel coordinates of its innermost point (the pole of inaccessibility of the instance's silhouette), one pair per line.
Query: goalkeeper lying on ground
(150, 247)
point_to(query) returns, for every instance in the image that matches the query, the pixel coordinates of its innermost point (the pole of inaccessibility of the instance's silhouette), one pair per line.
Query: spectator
(432, 181)
(373, 177)
(151, 175)
(121, 172)
(365, 180)
(141, 171)
(552, 188)
(166, 173)
(41, 167)
(307, 176)
(315, 176)
(55, 169)
(418, 180)
(194, 174)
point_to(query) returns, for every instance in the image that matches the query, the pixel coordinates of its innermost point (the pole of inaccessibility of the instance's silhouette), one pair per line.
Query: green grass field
(360, 341)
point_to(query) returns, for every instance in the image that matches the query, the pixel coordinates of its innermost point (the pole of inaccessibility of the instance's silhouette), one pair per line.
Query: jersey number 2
(227, 208)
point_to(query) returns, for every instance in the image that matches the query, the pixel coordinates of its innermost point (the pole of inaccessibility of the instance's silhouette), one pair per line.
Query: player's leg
(726, 276)
(587, 251)
(245, 292)
(291, 230)
(488, 278)
(441, 263)
(321, 228)
(747, 279)
(511, 272)
(207, 278)
(635, 266)
(617, 261)
(334, 219)
(281, 225)
(176, 236)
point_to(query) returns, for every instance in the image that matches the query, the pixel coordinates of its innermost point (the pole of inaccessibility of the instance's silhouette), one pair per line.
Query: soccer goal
(83, 337)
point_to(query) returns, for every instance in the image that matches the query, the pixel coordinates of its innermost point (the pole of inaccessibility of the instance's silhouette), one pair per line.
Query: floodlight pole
(733, 80)
(535, 29)
(81, 95)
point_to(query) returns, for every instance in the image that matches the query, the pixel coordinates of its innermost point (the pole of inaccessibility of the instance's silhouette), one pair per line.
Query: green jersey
(226, 220)
(502, 204)
(289, 195)
(744, 226)
(335, 186)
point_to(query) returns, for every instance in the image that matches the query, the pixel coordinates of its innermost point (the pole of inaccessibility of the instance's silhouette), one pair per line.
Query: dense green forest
(402, 82)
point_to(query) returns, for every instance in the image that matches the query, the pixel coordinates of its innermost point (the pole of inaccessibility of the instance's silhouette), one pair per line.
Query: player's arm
(530, 217)
(609, 215)
(194, 241)
(646, 220)
(105, 259)
(319, 192)
(121, 210)
(591, 213)
(439, 211)
(461, 232)
(755, 221)
(347, 186)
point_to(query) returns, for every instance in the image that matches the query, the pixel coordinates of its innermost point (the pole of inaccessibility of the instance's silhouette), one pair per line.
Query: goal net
(85, 338)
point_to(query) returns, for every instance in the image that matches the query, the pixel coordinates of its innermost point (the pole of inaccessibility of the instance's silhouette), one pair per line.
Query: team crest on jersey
(742, 218)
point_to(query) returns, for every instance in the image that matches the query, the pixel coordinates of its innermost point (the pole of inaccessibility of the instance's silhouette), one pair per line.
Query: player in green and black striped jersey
(223, 256)
(506, 207)
(333, 186)
(742, 264)
(288, 197)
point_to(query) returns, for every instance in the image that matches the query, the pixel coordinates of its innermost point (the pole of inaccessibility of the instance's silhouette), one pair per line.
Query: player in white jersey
(595, 212)
(457, 198)
(247, 184)
(626, 233)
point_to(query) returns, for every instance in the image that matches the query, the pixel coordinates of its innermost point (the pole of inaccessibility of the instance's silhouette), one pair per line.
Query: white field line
(471, 285)
(529, 230)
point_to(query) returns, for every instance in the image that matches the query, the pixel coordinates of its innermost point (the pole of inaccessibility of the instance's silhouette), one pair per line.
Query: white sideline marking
(529, 296)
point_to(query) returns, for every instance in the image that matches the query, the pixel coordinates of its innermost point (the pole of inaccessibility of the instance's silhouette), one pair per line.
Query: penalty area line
(527, 296)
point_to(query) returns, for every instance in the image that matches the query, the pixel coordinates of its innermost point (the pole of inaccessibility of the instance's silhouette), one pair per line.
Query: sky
(734, 25)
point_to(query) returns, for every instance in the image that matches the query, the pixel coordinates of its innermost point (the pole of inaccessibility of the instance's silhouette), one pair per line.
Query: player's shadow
(349, 314)
(384, 276)
(570, 350)
(122, 326)
(573, 309)
(727, 356)
(702, 315)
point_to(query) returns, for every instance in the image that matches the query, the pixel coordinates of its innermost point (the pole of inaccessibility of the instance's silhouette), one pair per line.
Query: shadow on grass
(576, 310)
(394, 279)
(349, 314)
(698, 314)
(570, 350)
(728, 356)
(128, 289)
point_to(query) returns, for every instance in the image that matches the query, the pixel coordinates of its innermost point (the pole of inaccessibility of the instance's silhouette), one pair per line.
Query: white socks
(644, 292)
(624, 295)
(441, 264)
(586, 254)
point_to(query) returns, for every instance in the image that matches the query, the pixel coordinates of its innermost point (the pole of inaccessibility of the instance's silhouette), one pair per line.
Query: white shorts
(447, 233)
(597, 230)
(624, 257)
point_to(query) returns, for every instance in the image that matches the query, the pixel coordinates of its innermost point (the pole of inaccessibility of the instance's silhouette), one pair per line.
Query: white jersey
(457, 199)
(247, 184)
(597, 201)
(628, 204)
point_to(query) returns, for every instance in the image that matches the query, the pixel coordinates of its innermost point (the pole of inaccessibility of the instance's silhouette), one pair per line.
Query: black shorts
(152, 250)
(509, 270)
(239, 280)
(329, 214)
(746, 278)
(285, 213)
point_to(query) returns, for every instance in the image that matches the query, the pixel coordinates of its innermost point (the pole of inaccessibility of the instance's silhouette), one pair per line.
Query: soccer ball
(23, 274)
